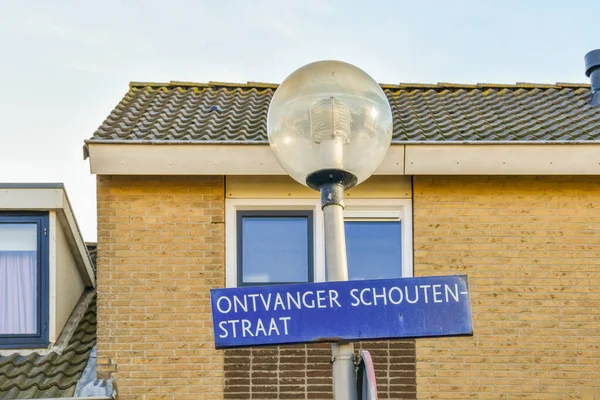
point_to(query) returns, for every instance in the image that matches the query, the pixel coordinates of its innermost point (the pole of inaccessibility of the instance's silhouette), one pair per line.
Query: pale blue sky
(66, 64)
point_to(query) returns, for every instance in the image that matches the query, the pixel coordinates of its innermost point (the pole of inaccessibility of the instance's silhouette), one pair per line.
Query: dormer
(44, 264)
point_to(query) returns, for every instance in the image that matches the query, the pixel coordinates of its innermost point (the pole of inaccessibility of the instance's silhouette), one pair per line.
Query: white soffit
(402, 159)
(46, 197)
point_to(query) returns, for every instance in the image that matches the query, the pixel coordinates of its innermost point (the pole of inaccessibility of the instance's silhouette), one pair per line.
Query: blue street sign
(336, 311)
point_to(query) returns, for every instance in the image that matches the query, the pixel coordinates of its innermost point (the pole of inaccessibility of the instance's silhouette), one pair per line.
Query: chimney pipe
(592, 70)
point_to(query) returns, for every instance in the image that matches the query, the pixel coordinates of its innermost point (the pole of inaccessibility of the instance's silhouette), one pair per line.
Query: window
(274, 247)
(23, 280)
(374, 249)
(272, 241)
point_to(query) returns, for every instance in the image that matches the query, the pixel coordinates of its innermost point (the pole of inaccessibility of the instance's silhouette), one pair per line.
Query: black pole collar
(317, 179)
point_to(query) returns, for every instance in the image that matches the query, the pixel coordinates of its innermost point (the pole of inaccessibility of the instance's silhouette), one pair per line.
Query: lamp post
(330, 126)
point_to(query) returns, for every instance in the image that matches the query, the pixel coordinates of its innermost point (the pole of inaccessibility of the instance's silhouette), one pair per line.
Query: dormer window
(44, 266)
(23, 280)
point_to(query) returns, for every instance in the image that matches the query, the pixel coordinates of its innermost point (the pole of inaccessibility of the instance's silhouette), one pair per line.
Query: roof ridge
(398, 86)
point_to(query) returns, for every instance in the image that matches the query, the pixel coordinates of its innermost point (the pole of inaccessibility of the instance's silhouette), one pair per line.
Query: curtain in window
(18, 292)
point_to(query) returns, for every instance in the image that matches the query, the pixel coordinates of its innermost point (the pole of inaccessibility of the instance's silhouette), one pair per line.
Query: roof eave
(465, 158)
(394, 142)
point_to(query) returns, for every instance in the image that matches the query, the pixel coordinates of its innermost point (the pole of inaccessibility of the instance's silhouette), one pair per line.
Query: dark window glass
(275, 247)
(374, 249)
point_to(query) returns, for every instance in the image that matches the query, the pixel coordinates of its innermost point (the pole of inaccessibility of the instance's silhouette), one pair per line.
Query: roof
(217, 112)
(92, 248)
(56, 373)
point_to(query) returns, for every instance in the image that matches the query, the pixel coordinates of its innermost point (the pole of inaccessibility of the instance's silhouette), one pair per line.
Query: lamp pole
(332, 183)
(330, 125)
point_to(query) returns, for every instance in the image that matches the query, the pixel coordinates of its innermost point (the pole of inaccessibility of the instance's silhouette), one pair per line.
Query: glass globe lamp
(329, 120)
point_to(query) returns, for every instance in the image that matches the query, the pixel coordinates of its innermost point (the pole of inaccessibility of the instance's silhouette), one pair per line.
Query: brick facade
(160, 250)
(531, 248)
(304, 371)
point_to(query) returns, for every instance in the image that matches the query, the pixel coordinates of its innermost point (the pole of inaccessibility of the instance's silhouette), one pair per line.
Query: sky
(66, 64)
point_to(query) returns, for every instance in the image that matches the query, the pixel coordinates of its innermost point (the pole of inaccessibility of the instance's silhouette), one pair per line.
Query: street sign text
(334, 311)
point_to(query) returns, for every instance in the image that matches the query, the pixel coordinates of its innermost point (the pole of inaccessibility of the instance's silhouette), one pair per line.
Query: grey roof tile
(225, 112)
(51, 375)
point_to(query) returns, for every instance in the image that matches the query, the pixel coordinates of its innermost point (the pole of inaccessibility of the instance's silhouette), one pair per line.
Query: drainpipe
(592, 70)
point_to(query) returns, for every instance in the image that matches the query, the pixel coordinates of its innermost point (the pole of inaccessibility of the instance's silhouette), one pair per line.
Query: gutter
(86, 152)
(396, 142)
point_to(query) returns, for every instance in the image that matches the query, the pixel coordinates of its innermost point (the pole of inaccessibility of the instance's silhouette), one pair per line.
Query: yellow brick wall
(531, 249)
(160, 250)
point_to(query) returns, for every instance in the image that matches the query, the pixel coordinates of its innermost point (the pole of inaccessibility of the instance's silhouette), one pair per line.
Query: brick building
(499, 182)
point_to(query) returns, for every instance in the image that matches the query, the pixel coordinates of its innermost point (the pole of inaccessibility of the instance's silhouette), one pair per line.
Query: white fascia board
(43, 197)
(402, 159)
(201, 159)
(76, 242)
(30, 198)
(503, 159)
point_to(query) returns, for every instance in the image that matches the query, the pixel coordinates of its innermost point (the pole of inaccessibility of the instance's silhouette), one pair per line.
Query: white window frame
(387, 210)
(232, 206)
(356, 209)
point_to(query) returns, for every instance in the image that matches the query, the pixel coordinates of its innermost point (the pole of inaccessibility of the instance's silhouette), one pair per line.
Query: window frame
(396, 208)
(387, 210)
(232, 206)
(240, 214)
(40, 338)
